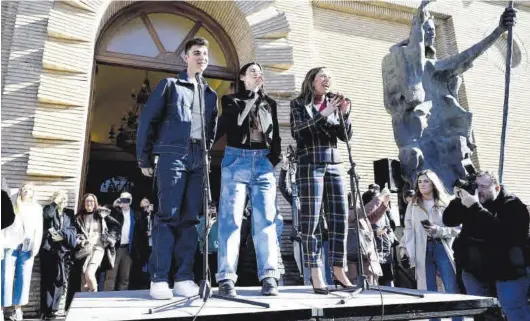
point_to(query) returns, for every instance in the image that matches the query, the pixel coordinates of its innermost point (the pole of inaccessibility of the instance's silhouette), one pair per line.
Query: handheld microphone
(331, 95)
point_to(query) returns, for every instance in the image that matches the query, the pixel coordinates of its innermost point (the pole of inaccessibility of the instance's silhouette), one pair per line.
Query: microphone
(331, 95)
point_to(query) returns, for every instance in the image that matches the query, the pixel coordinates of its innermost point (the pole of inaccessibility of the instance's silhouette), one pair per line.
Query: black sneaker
(227, 288)
(269, 286)
(49, 316)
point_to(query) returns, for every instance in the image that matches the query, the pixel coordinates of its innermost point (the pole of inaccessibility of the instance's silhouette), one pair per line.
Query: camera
(291, 154)
(125, 200)
(468, 183)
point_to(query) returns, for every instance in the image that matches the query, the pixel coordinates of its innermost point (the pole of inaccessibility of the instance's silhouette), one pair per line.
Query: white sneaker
(17, 315)
(185, 288)
(160, 291)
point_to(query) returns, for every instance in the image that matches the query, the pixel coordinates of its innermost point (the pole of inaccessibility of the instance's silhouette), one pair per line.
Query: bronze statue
(431, 129)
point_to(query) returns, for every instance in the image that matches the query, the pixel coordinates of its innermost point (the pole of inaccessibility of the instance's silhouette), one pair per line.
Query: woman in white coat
(21, 243)
(427, 240)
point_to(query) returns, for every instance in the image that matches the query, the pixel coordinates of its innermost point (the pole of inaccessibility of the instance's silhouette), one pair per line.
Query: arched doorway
(141, 45)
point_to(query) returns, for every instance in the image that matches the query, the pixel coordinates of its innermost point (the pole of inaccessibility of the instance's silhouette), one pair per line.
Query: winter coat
(415, 238)
(109, 226)
(375, 209)
(27, 225)
(494, 237)
(64, 225)
(384, 241)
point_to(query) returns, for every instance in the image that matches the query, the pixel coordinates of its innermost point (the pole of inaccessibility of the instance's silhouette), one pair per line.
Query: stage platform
(293, 303)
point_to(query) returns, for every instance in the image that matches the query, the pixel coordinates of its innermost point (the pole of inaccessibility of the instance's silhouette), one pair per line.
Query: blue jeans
(513, 298)
(477, 287)
(278, 221)
(436, 259)
(174, 233)
(16, 277)
(512, 294)
(241, 170)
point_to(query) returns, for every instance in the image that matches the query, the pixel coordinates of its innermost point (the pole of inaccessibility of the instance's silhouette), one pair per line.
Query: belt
(434, 239)
(195, 141)
(124, 245)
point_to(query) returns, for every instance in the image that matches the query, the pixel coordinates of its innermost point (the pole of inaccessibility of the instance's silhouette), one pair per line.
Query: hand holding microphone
(336, 101)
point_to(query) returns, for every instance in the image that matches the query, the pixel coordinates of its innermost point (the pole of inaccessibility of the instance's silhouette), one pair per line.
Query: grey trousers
(120, 272)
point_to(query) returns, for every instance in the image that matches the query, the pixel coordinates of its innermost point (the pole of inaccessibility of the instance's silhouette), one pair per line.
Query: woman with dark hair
(427, 240)
(249, 118)
(316, 125)
(97, 233)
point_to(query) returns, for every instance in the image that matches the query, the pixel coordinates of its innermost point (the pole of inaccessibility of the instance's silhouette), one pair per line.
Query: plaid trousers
(321, 185)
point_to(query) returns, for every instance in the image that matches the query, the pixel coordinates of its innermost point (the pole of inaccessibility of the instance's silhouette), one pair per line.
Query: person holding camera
(253, 149)
(492, 244)
(364, 239)
(427, 240)
(125, 247)
(59, 238)
(318, 120)
(384, 236)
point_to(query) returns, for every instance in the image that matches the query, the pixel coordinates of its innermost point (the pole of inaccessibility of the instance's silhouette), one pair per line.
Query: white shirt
(125, 227)
(429, 204)
(196, 126)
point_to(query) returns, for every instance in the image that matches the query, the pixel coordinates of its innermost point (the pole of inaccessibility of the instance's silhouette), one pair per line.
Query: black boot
(269, 286)
(227, 288)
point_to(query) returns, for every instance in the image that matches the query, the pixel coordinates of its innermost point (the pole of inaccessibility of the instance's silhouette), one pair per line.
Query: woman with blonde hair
(59, 239)
(426, 239)
(21, 242)
(97, 233)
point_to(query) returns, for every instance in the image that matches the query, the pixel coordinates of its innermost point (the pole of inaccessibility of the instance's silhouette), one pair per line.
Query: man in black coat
(117, 278)
(492, 247)
(8, 213)
(59, 238)
(141, 247)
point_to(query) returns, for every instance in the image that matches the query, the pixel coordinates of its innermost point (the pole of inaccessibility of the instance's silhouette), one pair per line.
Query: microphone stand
(205, 288)
(362, 283)
(295, 231)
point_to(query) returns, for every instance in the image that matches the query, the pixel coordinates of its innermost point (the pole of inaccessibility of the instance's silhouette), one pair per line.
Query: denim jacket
(165, 121)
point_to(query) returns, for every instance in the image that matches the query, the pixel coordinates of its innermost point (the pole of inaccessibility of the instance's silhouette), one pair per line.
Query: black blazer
(233, 106)
(8, 213)
(66, 229)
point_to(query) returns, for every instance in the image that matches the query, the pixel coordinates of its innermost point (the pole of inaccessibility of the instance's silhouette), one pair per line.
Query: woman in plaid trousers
(316, 126)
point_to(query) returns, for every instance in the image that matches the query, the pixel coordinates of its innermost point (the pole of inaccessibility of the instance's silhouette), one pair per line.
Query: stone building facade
(48, 68)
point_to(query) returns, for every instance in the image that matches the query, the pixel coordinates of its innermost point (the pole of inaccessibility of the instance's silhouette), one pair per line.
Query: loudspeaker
(388, 171)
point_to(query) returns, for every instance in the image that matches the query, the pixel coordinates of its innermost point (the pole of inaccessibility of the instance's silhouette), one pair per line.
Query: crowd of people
(95, 248)
(118, 248)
